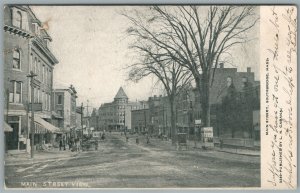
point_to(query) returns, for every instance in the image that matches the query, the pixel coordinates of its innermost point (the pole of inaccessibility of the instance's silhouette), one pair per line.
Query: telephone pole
(81, 123)
(31, 76)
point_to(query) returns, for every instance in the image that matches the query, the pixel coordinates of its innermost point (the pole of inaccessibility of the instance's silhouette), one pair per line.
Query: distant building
(26, 48)
(231, 109)
(160, 115)
(140, 120)
(94, 119)
(117, 114)
(232, 94)
(78, 129)
(65, 106)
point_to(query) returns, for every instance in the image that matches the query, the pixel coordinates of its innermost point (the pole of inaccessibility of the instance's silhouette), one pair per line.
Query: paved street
(119, 164)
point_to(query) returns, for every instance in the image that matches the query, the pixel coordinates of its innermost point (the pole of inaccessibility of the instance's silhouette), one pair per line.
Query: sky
(91, 46)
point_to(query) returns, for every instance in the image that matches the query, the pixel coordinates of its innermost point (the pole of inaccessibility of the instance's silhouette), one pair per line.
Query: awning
(7, 128)
(47, 126)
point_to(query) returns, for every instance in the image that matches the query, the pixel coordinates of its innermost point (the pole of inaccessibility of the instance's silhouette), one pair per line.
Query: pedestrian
(60, 144)
(148, 139)
(70, 144)
(137, 141)
(64, 144)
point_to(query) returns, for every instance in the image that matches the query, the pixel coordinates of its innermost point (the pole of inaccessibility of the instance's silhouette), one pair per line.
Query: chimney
(221, 65)
(248, 69)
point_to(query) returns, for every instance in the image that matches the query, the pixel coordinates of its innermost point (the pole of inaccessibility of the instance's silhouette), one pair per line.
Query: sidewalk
(167, 145)
(22, 157)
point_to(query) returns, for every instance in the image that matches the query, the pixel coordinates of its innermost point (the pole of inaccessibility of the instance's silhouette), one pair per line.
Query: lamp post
(31, 76)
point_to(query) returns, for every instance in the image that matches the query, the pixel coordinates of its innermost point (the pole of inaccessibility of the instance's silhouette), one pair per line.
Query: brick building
(64, 101)
(117, 114)
(26, 48)
(160, 115)
(140, 120)
(188, 110)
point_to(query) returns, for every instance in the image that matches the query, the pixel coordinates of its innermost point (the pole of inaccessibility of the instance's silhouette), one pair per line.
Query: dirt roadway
(121, 164)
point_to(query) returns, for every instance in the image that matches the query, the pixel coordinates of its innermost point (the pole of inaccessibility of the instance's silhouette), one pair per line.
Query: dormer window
(36, 28)
(17, 19)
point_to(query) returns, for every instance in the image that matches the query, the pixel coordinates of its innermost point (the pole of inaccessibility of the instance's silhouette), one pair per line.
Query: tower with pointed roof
(121, 96)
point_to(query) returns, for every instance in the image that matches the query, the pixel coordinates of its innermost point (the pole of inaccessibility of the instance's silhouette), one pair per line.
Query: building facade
(232, 94)
(117, 114)
(160, 115)
(64, 101)
(26, 49)
(94, 122)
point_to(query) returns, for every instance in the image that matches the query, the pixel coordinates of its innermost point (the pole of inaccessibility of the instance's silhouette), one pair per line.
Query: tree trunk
(204, 90)
(173, 122)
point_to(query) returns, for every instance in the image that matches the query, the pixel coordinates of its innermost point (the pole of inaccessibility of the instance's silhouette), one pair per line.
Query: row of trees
(180, 44)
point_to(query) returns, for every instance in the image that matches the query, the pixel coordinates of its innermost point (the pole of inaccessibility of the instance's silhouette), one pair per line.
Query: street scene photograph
(119, 97)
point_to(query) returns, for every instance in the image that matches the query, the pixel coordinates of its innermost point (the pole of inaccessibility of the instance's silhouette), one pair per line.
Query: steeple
(121, 94)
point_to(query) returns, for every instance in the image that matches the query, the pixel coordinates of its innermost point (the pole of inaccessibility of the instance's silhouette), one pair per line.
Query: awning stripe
(45, 126)
(7, 127)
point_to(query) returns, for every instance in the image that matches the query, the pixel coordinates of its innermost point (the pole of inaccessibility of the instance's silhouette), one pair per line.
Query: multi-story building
(26, 49)
(64, 101)
(94, 120)
(140, 120)
(78, 129)
(117, 114)
(226, 82)
(188, 110)
(160, 115)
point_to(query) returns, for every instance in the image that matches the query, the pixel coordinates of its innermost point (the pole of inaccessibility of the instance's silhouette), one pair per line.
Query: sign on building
(198, 122)
(207, 136)
(96, 134)
(36, 107)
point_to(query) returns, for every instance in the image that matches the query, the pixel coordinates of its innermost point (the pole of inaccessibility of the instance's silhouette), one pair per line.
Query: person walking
(60, 144)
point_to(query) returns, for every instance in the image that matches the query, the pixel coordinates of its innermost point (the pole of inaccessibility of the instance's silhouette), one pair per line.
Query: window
(229, 81)
(46, 75)
(43, 73)
(35, 95)
(38, 95)
(49, 77)
(16, 59)
(31, 63)
(15, 92)
(17, 20)
(59, 99)
(35, 65)
(38, 70)
(42, 99)
(60, 112)
(49, 102)
(36, 29)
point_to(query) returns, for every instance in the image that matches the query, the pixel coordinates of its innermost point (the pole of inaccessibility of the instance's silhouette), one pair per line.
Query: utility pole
(7, 105)
(31, 76)
(81, 123)
(145, 121)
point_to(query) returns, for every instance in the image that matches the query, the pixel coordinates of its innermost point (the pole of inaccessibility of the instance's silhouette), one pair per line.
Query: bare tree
(153, 62)
(197, 38)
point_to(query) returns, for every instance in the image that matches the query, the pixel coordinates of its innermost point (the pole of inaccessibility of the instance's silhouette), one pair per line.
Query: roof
(121, 94)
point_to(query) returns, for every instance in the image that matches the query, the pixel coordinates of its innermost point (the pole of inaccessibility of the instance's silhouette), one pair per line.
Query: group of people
(74, 144)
